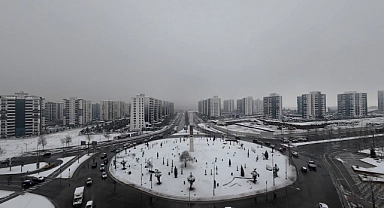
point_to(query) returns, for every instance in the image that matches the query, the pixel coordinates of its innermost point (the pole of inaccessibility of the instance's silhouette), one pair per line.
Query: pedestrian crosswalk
(365, 189)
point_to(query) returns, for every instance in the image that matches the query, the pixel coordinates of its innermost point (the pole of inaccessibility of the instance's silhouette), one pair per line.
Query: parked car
(295, 154)
(304, 169)
(89, 181)
(311, 164)
(89, 204)
(94, 165)
(104, 175)
(322, 205)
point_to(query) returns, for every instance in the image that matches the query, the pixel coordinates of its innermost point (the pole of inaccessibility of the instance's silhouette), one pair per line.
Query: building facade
(77, 112)
(96, 111)
(240, 106)
(299, 105)
(210, 107)
(146, 111)
(229, 105)
(21, 115)
(273, 106)
(312, 105)
(352, 104)
(258, 106)
(112, 109)
(54, 113)
(248, 106)
(380, 98)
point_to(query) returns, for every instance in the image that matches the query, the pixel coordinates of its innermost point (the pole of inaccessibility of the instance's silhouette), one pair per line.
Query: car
(89, 204)
(103, 155)
(89, 181)
(322, 205)
(47, 154)
(267, 143)
(295, 154)
(102, 168)
(105, 161)
(49, 165)
(311, 164)
(94, 165)
(304, 169)
(39, 179)
(104, 175)
(280, 149)
(27, 184)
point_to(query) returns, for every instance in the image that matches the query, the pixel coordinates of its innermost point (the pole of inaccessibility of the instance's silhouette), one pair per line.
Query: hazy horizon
(186, 51)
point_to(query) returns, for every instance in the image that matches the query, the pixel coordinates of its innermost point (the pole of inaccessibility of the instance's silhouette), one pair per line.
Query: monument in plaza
(191, 146)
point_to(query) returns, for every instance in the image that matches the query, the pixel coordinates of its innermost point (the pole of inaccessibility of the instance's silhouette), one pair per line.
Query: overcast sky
(185, 51)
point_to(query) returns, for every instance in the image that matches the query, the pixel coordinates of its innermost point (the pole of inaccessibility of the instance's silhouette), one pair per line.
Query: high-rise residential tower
(21, 115)
(77, 112)
(273, 106)
(352, 104)
(380, 98)
(313, 105)
(229, 105)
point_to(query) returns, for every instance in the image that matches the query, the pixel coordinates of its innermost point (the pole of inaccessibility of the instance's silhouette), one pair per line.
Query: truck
(78, 196)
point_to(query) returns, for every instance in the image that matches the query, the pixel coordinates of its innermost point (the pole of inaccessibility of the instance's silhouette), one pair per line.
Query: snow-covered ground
(50, 171)
(207, 155)
(17, 169)
(330, 140)
(378, 163)
(16, 147)
(5, 193)
(68, 173)
(28, 200)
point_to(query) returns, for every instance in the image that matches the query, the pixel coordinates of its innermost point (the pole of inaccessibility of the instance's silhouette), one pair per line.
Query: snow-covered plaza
(210, 161)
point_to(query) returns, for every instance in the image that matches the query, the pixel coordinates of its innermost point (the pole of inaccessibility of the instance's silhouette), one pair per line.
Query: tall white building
(146, 111)
(352, 104)
(210, 107)
(248, 106)
(273, 106)
(77, 112)
(257, 106)
(313, 105)
(21, 115)
(229, 105)
(380, 98)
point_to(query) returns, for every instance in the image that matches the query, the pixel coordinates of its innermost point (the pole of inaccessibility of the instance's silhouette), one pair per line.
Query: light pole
(214, 180)
(273, 172)
(37, 163)
(286, 193)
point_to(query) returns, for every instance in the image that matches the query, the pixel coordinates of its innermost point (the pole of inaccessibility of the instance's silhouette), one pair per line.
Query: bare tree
(185, 157)
(42, 141)
(68, 139)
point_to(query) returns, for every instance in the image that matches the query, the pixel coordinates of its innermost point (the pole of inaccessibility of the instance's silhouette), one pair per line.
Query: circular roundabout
(212, 170)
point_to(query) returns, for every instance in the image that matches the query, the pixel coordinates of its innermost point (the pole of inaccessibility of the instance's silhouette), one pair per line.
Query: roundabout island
(202, 169)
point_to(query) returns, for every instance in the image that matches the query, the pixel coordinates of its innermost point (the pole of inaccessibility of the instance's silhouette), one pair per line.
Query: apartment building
(210, 107)
(146, 111)
(54, 113)
(352, 104)
(312, 105)
(273, 106)
(257, 106)
(77, 112)
(229, 105)
(112, 109)
(21, 115)
(380, 99)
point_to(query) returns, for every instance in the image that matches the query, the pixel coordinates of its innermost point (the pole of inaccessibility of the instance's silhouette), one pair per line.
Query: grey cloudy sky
(185, 51)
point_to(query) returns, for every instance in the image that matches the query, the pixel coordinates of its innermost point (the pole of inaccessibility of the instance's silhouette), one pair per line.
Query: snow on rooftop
(208, 154)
